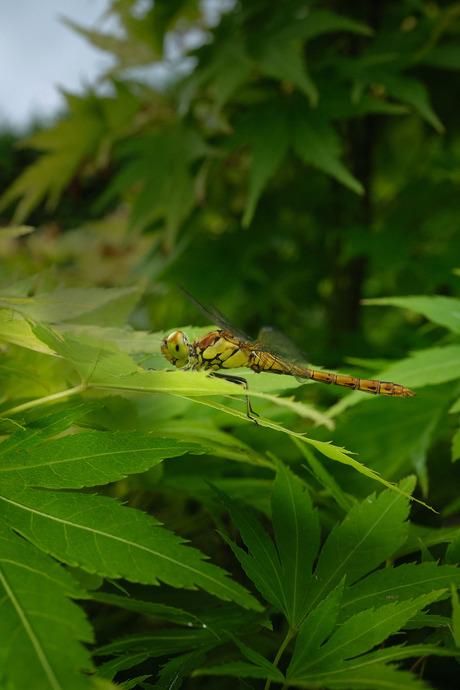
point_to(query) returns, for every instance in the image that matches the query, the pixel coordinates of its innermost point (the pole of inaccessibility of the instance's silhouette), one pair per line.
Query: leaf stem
(284, 644)
(47, 399)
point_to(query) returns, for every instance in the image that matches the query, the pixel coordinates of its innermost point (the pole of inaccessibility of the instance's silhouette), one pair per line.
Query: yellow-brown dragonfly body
(228, 348)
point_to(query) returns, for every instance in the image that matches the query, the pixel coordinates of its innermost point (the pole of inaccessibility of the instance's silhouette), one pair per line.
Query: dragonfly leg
(240, 380)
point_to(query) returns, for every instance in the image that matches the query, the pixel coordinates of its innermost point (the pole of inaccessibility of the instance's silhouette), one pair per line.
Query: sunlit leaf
(66, 304)
(66, 145)
(42, 630)
(15, 231)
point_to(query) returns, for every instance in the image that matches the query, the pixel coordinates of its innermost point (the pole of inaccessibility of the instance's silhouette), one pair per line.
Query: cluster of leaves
(301, 150)
(79, 411)
(301, 123)
(319, 129)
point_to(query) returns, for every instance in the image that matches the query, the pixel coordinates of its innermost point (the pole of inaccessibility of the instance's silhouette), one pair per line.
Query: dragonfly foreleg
(242, 382)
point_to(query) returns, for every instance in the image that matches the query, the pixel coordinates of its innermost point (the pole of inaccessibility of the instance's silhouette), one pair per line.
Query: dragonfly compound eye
(175, 348)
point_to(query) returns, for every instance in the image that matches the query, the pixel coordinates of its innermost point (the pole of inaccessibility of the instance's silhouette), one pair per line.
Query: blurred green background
(304, 156)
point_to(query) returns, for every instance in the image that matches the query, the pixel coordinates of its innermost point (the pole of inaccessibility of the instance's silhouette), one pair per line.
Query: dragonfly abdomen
(264, 361)
(367, 385)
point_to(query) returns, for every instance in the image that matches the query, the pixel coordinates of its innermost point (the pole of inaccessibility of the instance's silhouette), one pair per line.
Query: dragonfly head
(176, 349)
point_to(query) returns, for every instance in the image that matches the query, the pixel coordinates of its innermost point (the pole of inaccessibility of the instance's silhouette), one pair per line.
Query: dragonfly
(229, 348)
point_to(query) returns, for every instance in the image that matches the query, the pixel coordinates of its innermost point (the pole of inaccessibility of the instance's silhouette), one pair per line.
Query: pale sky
(39, 54)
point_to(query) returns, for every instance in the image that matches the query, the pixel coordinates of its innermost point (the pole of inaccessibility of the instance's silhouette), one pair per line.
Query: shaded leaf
(398, 584)
(297, 533)
(362, 632)
(325, 478)
(87, 459)
(226, 67)
(319, 22)
(444, 311)
(395, 435)
(370, 533)
(101, 536)
(284, 60)
(176, 669)
(456, 445)
(423, 368)
(160, 642)
(259, 661)
(455, 616)
(357, 635)
(315, 142)
(163, 612)
(265, 159)
(445, 56)
(261, 564)
(159, 165)
(317, 628)
(413, 92)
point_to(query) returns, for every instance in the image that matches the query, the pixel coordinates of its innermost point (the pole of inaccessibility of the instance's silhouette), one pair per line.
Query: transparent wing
(285, 350)
(216, 317)
(278, 343)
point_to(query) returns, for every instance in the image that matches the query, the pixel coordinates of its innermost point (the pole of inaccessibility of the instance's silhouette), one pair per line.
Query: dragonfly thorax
(177, 349)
